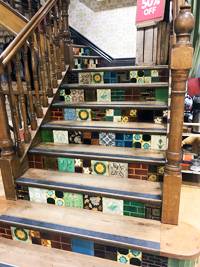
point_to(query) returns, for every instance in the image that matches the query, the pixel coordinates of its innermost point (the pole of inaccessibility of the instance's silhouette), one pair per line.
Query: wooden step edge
(121, 127)
(56, 152)
(79, 46)
(122, 68)
(135, 233)
(120, 104)
(19, 254)
(58, 184)
(115, 85)
(87, 57)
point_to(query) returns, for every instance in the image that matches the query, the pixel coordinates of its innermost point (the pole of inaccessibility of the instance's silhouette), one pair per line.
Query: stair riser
(123, 115)
(92, 201)
(48, 235)
(151, 172)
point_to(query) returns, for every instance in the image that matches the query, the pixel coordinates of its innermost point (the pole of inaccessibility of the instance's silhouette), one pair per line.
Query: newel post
(68, 50)
(181, 62)
(8, 159)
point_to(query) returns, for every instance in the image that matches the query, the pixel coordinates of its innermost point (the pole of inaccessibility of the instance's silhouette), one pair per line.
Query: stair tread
(105, 185)
(100, 152)
(87, 57)
(144, 235)
(19, 254)
(79, 45)
(115, 85)
(113, 104)
(122, 68)
(107, 126)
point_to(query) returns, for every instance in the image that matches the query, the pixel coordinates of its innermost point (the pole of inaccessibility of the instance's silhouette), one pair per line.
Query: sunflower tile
(83, 114)
(99, 167)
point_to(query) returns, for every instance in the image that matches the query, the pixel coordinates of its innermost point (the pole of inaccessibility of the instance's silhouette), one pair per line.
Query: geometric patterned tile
(60, 137)
(112, 206)
(118, 169)
(84, 78)
(37, 195)
(99, 167)
(107, 139)
(129, 256)
(20, 234)
(77, 96)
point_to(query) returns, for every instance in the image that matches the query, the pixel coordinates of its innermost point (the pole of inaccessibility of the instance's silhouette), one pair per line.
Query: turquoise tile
(66, 165)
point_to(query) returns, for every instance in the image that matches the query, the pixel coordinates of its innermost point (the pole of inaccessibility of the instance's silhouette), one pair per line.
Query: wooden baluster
(47, 61)
(14, 113)
(56, 42)
(42, 67)
(6, 143)
(51, 51)
(22, 100)
(30, 13)
(29, 90)
(69, 58)
(38, 107)
(181, 62)
(62, 45)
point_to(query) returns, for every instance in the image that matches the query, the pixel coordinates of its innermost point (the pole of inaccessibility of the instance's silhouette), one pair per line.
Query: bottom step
(134, 241)
(18, 254)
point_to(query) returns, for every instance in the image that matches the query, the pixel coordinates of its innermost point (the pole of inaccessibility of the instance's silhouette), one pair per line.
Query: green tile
(137, 204)
(66, 165)
(117, 112)
(141, 210)
(73, 200)
(161, 94)
(46, 135)
(181, 263)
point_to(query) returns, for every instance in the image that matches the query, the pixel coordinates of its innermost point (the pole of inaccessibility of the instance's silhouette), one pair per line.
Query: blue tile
(128, 137)
(70, 114)
(119, 136)
(128, 144)
(83, 246)
(119, 143)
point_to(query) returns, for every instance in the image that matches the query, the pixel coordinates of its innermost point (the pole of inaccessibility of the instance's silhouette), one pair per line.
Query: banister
(25, 33)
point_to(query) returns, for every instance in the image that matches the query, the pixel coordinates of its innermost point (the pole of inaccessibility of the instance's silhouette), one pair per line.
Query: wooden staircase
(84, 154)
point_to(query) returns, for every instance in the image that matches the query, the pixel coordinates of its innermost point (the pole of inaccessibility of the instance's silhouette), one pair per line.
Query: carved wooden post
(181, 62)
(69, 59)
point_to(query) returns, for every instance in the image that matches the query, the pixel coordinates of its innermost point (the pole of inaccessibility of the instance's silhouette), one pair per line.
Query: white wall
(113, 31)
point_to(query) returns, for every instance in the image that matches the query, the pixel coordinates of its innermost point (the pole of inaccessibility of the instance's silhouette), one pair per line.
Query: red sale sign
(149, 11)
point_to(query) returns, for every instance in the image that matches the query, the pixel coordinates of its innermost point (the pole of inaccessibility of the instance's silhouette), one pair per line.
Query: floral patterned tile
(84, 78)
(118, 169)
(20, 234)
(159, 142)
(66, 165)
(73, 200)
(77, 96)
(75, 137)
(99, 167)
(37, 195)
(83, 114)
(112, 206)
(92, 203)
(70, 114)
(60, 137)
(103, 95)
(97, 77)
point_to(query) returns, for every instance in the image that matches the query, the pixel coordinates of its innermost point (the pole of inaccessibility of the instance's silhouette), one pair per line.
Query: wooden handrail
(25, 33)
(13, 10)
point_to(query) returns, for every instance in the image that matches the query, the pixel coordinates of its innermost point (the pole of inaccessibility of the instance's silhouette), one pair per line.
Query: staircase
(83, 155)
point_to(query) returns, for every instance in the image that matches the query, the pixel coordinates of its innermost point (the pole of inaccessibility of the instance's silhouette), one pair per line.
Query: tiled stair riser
(90, 247)
(143, 141)
(123, 170)
(86, 63)
(109, 114)
(90, 202)
(82, 51)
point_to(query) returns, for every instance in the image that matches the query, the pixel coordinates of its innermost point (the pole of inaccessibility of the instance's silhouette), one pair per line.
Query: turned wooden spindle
(69, 58)
(33, 118)
(6, 143)
(14, 112)
(57, 43)
(62, 44)
(42, 66)
(22, 100)
(51, 50)
(181, 63)
(38, 106)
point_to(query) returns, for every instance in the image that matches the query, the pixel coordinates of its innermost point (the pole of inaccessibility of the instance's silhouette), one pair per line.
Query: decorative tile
(20, 234)
(129, 256)
(70, 114)
(159, 142)
(158, 119)
(112, 206)
(60, 137)
(77, 96)
(46, 136)
(51, 196)
(140, 80)
(66, 165)
(147, 79)
(75, 137)
(103, 95)
(133, 74)
(154, 73)
(107, 139)
(84, 78)
(83, 114)
(118, 169)
(93, 203)
(73, 200)
(46, 243)
(34, 234)
(97, 77)
(37, 195)
(125, 119)
(99, 167)
(133, 113)
(83, 246)
(134, 209)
